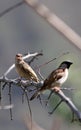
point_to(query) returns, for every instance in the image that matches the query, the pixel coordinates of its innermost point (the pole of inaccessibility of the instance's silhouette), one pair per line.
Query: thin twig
(4, 85)
(55, 107)
(44, 64)
(69, 89)
(10, 100)
(39, 54)
(23, 97)
(26, 94)
(11, 8)
(0, 93)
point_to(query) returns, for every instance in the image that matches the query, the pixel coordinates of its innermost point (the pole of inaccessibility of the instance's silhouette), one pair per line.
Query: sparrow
(24, 70)
(55, 80)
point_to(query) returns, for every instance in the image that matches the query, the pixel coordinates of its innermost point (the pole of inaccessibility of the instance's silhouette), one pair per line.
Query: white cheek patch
(64, 78)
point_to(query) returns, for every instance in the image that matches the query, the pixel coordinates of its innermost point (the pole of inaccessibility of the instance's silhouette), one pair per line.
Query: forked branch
(4, 81)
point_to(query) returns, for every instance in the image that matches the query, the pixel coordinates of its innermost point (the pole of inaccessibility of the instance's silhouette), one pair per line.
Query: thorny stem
(23, 97)
(71, 105)
(55, 107)
(10, 100)
(26, 94)
(69, 89)
(0, 93)
(4, 85)
(62, 96)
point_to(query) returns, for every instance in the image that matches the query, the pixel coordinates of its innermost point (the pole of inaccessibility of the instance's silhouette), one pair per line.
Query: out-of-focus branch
(52, 19)
(55, 22)
(57, 122)
(35, 126)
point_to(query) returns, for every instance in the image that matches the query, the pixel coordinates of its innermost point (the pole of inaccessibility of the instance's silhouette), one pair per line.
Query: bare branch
(52, 92)
(62, 96)
(55, 22)
(24, 84)
(35, 126)
(71, 105)
(52, 19)
(33, 58)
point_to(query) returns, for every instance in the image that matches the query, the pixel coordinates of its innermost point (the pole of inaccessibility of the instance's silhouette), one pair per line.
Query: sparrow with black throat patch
(24, 70)
(55, 80)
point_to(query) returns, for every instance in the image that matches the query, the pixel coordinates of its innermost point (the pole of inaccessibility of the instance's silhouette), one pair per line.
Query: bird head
(18, 57)
(65, 64)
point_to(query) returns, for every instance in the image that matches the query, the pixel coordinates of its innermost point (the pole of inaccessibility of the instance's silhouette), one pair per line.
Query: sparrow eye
(19, 55)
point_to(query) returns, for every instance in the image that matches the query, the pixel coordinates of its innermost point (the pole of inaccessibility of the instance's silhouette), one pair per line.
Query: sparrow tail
(35, 95)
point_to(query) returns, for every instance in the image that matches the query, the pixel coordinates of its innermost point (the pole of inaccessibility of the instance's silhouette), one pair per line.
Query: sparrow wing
(59, 74)
(29, 71)
(53, 77)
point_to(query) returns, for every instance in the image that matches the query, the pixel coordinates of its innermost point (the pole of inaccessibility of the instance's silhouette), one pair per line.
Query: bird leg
(46, 102)
(56, 89)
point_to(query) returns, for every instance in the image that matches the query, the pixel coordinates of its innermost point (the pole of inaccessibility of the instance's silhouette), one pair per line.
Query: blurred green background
(22, 31)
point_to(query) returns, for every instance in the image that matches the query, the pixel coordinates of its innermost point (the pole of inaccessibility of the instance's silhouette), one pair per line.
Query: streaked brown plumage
(55, 79)
(24, 70)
